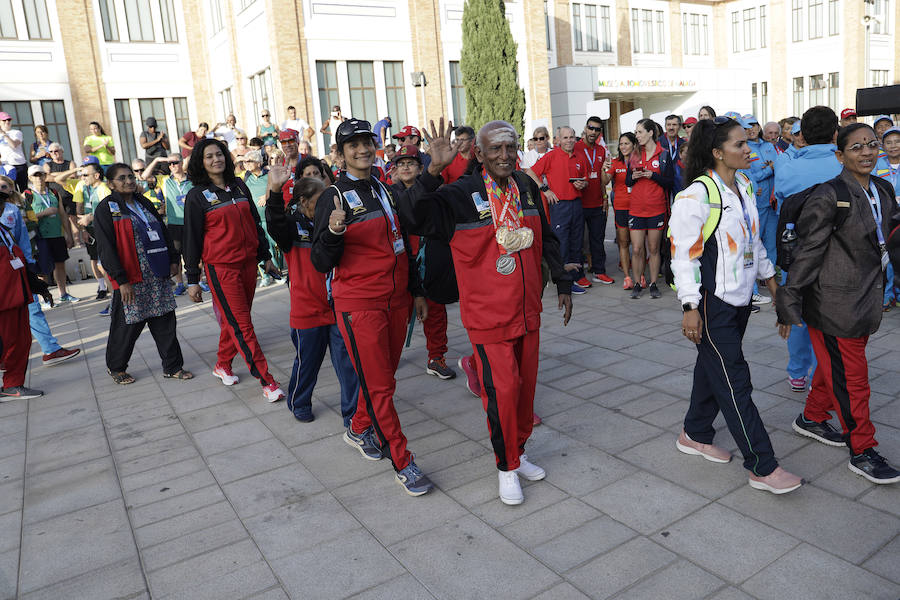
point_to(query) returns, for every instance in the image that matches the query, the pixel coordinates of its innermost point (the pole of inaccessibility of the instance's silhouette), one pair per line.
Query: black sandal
(179, 374)
(121, 377)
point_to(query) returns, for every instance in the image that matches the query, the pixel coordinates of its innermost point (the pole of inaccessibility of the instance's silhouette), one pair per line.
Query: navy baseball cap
(352, 128)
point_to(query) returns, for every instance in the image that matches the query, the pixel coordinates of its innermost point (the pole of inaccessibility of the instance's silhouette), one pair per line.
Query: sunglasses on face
(592, 128)
(688, 126)
(540, 139)
(266, 115)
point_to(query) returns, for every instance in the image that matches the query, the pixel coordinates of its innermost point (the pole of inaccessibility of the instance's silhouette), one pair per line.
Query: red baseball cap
(848, 112)
(408, 152)
(690, 121)
(288, 134)
(406, 132)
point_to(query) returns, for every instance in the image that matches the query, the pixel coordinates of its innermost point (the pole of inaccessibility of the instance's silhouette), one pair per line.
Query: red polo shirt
(456, 169)
(559, 167)
(592, 195)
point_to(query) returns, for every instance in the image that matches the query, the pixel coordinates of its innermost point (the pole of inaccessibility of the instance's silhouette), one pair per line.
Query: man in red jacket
(593, 198)
(496, 227)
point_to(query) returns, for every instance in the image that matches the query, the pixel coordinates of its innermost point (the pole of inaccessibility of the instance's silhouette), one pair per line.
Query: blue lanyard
(382, 197)
(592, 158)
(875, 205)
(137, 211)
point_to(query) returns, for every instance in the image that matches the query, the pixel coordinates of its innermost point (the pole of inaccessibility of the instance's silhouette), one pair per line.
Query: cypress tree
(489, 67)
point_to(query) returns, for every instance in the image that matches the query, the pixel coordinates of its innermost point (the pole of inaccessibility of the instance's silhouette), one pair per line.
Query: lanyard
(8, 240)
(592, 158)
(137, 211)
(875, 205)
(382, 197)
(45, 198)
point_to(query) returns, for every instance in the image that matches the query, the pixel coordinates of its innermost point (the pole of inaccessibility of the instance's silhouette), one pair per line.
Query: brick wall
(83, 66)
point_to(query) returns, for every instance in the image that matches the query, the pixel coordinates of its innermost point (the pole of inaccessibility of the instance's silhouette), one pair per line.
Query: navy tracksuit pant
(311, 344)
(722, 383)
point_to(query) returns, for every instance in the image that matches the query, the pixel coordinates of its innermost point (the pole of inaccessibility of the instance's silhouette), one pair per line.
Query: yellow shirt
(94, 196)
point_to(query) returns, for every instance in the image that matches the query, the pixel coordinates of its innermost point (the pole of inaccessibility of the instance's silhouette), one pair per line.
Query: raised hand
(337, 221)
(278, 176)
(441, 149)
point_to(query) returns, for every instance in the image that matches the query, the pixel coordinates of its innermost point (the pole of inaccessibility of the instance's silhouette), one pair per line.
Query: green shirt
(258, 187)
(50, 226)
(174, 193)
(103, 155)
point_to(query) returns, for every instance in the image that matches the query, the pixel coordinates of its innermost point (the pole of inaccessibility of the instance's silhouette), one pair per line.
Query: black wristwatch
(545, 187)
(688, 306)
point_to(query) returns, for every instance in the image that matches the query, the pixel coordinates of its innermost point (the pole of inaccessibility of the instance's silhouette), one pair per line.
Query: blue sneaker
(203, 286)
(578, 290)
(180, 289)
(104, 312)
(365, 443)
(413, 481)
(69, 298)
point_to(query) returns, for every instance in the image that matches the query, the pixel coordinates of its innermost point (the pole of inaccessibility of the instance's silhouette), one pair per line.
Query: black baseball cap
(352, 128)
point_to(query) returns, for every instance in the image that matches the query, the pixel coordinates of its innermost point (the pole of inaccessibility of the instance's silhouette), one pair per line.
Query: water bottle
(789, 244)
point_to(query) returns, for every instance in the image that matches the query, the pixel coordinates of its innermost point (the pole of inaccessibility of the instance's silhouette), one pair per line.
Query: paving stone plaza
(193, 490)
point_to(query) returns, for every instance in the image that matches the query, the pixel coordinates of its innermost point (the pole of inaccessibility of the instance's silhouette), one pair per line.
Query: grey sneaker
(413, 481)
(873, 467)
(821, 432)
(438, 367)
(19, 392)
(365, 443)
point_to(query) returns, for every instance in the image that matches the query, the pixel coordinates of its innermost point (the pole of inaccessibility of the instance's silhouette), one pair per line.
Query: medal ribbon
(506, 207)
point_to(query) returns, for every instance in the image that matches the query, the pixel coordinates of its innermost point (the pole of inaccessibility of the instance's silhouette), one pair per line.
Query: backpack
(434, 264)
(791, 209)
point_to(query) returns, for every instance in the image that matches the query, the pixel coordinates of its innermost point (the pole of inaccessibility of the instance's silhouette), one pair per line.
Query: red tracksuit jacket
(221, 227)
(13, 282)
(493, 307)
(368, 273)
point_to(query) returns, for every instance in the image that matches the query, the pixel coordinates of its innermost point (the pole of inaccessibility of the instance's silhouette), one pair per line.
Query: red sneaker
(467, 365)
(61, 355)
(583, 282)
(603, 278)
(628, 283)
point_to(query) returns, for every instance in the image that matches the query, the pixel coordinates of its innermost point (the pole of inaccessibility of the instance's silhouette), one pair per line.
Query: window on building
(547, 23)
(834, 90)
(361, 75)
(605, 23)
(261, 94)
(156, 108)
(396, 93)
(126, 131)
(457, 94)
(735, 32)
(763, 115)
(704, 36)
(660, 32)
(246, 3)
(798, 95)
(694, 35)
(182, 116)
(754, 99)
(635, 30)
(7, 21)
(167, 14)
(880, 10)
(816, 15)
(797, 20)
(576, 26)
(879, 77)
(108, 20)
(54, 112)
(217, 15)
(816, 90)
(750, 29)
(326, 78)
(22, 119)
(647, 19)
(140, 23)
(226, 103)
(763, 34)
(592, 43)
(36, 19)
(834, 16)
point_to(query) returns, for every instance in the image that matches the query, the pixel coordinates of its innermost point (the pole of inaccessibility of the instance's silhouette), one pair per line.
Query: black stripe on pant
(493, 413)
(839, 384)
(235, 326)
(357, 360)
(122, 338)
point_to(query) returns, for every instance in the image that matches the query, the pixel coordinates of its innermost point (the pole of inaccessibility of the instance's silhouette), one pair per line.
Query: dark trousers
(122, 337)
(311, 345)
(722, 383)
(595, 218)
(568, 225)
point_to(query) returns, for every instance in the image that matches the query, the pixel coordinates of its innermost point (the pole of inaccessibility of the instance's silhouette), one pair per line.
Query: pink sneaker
(536, 420)
(467, 365)
(225, 374)
(707, 451)
(272, 392)
(798, 384)
(778, 481)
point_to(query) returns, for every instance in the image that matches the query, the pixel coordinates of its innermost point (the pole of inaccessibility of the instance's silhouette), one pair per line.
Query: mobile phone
(574, 179)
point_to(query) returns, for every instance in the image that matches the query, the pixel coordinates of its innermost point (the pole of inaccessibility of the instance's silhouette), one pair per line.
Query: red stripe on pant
(841, 384)
(508, 374)
(15, 337)
(233, 287)
(375, 339)
(435, 327)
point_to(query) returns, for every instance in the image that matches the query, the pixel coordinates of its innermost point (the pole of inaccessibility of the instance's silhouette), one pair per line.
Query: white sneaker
(510, 490)
(530, 471)
(759, 299)
(272, 392)
(227, 377)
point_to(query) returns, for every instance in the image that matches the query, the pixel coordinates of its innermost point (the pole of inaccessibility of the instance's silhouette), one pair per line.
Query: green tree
(489, 67)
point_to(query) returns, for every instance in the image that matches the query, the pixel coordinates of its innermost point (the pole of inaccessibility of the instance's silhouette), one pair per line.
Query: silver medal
(506, 264)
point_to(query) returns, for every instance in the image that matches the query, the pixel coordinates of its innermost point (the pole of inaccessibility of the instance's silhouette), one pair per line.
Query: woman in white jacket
(716, 258)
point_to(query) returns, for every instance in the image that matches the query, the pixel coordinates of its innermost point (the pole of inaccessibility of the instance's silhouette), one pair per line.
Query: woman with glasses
(835, 285)
(621, 200)
(650, 175)
(310, 166)
(40, 148)
(541, 147)
(267, 131)
(717, 256)
(139, 257)
(222, 228)
(242, 147)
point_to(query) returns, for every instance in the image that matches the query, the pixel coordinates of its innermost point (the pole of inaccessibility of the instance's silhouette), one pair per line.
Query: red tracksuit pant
(841, 384)
(15, 337)
(508, 374)
(435, 327)
(375, 339)
(233, 287)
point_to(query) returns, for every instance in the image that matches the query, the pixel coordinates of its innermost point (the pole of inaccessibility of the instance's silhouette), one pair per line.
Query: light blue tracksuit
(12, 218)
(883, 169)
(763, 177)
(807, 167)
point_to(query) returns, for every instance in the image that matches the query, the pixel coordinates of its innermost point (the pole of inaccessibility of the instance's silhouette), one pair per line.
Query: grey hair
(495, 127)
(253, 156)
(565, 128)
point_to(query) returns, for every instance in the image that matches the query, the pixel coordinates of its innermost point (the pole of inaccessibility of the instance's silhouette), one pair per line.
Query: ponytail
(706, 136)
